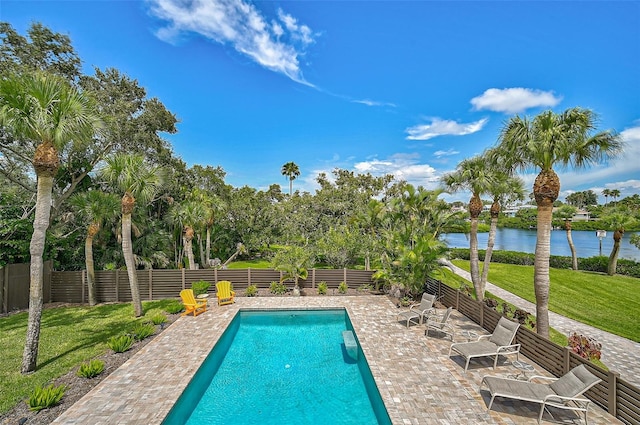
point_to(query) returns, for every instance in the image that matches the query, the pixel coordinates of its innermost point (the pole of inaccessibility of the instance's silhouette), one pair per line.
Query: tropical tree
(295, 262)
(618, 220)
(46, 109)
(140, 182)
(189, 215)
(478, 176)
(606, 193)
(94, 207)
(503, 189)
(566, 212)
(291, 171)
(614, 194)
(543, 142)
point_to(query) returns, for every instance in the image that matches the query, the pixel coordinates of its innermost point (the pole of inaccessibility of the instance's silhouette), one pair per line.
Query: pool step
(350, 344)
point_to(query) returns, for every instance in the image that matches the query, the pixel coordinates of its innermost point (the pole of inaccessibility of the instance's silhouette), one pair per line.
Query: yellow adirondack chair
(224, 293)
(191, 304)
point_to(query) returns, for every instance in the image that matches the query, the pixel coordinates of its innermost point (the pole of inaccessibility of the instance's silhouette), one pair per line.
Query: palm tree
(189, 216)
(614, 194)
(96, 207)
(503, 189)
(291, 170)
(606, 193)
(137, 179)
(476, 175)
(566, 212)
(619, 220)
(43, 108)
(552, 139)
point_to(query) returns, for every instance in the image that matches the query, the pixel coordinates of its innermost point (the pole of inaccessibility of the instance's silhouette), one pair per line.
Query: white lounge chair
(440, 324)
(418, 312)
(499, 342)
(562, 393)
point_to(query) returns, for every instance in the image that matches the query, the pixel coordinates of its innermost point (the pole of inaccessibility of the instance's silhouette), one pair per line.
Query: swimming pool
(282, 367)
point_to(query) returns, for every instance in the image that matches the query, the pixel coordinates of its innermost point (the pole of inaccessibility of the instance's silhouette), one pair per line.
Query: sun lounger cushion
(503, 333)
(574, 382)
(521, 390)
(476, 349)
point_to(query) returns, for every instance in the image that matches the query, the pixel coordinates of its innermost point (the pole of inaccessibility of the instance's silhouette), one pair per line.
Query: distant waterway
(586, 242)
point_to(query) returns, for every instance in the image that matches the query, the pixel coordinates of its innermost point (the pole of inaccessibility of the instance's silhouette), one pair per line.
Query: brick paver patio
(418, 382)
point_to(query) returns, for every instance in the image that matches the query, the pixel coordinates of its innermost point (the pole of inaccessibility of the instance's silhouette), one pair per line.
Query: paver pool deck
(418, 382)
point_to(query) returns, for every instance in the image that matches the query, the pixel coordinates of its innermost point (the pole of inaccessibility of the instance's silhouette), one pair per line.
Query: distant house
(512, 211)
(581, 215)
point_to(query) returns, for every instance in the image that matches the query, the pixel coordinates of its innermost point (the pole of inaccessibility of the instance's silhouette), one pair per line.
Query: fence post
(248, 276)
(4, 290)
(83, 281)
(313, 278)
(183, 278)
(117, 285)
(215, 276)
(344, 275)
(566, 357)
(612, 402)
(458, 300)
(150, 284)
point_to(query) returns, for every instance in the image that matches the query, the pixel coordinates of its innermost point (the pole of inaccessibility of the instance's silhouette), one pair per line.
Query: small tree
(294, 261)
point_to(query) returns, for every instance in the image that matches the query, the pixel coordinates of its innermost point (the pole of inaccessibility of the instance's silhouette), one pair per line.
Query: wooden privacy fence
(113, 285)
(14, 286)
(617, 396)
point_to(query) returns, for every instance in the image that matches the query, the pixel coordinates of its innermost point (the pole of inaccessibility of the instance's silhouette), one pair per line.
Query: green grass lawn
(610, 303)
(69, 336)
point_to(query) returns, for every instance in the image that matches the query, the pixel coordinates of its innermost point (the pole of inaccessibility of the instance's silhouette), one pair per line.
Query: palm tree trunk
(202, 256)
(127, 252)
(88, 261)
(208, 248)
(188, 247)
(613, 257)
(36, 285)
(541, 280)
(574, 256)
(487, 255)
(473, 259)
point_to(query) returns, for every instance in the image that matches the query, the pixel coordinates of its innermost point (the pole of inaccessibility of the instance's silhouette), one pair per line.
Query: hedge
(593, 264)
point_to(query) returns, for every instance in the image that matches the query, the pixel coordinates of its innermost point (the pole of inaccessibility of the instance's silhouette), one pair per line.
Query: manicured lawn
(69, 336)
(610, 303)
(254, 264)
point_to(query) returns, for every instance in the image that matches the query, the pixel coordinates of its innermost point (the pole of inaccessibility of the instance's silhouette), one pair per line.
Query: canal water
(586, 243)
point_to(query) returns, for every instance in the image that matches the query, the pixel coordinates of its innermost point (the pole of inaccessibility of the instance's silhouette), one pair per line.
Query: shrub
(121, 343)
(365, 287)
(322, 288)
(174, 308)
(200, 287)
(585, 347)
(343, 287)
(142, 331)
(157, 318)
(43, 398)
(252, 291)
(91, 369)
(277, 288)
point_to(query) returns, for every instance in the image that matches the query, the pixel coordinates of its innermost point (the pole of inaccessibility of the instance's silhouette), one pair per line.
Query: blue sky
(403, 87)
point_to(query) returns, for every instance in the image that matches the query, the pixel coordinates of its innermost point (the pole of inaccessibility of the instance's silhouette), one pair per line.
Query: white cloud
(276, 46)
(403, 167)
(440, 127)
(514, 100)
(370, 102)
(448, 152)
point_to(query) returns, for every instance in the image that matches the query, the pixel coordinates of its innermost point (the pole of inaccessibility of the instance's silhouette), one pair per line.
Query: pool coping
(417, 380)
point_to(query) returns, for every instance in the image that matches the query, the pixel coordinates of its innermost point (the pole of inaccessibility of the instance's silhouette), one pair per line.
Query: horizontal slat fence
(113, 285)
(617, 396)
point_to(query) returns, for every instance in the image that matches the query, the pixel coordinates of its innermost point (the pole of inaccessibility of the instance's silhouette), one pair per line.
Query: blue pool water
(282, 367)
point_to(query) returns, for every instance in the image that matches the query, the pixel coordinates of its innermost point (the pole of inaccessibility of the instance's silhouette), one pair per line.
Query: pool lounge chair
(440, 324)
(191, 304)
(499, 342)
(224, 293)
(418, 312)
(562, 393)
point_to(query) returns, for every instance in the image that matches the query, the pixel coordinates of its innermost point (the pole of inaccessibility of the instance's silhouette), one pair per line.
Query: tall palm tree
(606, 193)
(140, 181)
(503, 189)
(95, 207)
(548, 140)
(45, 109)
(476, 175)
(189, 216)
(566, 212)
(292, 171)
(614, 194)
(619, 220)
